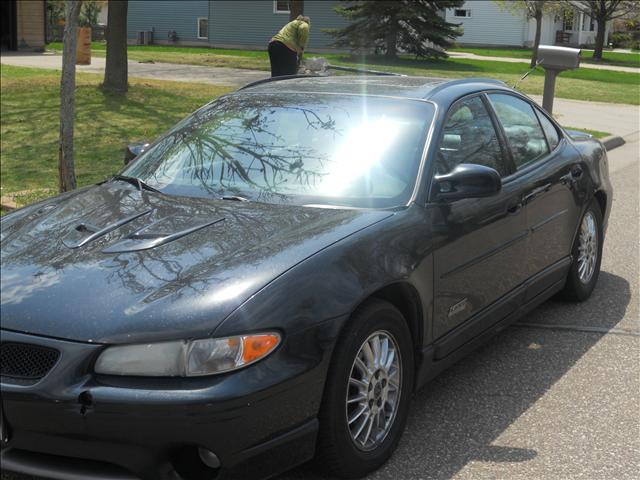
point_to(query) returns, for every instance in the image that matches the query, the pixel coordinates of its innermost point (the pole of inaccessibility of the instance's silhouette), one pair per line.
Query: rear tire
(587, 255)
(372, 390)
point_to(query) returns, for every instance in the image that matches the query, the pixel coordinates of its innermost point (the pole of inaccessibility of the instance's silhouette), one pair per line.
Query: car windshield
(303, 149)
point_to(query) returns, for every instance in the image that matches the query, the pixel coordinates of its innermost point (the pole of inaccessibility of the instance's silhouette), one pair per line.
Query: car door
(479, 243)
(551, 169)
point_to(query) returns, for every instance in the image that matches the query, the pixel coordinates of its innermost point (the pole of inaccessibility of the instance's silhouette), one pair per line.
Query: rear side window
(549, 130)
(521, 126)
(469, 137)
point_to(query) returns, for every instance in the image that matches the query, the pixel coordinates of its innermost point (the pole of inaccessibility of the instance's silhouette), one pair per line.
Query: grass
(584, 84)
(105, 124)
(595, 133)
(620, 59)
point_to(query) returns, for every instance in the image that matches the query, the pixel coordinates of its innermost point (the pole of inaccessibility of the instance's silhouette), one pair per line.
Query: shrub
(620, 39)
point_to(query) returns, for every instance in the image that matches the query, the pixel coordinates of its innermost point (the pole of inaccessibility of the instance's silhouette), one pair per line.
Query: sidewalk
(153, 71)
(473, 56)
(617, 119)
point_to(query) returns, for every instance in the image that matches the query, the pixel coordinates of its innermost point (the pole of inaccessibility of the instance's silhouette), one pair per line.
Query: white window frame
(198, 28)
(280, 12)
(466, 10)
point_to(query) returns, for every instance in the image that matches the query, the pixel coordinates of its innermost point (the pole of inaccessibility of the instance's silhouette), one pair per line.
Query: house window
(567, 20)
(462, 13)
(281, 6)
(203, 28)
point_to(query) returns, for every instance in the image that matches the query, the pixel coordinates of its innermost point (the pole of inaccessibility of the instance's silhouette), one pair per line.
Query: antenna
(538, 62)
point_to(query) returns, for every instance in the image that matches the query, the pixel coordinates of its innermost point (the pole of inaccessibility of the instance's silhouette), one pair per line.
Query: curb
(612, 142)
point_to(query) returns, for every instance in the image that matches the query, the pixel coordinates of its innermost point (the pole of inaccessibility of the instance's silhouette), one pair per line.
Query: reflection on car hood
(113, 264)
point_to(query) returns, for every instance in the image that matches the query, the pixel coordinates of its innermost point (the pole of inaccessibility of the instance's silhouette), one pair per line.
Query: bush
(620, 39)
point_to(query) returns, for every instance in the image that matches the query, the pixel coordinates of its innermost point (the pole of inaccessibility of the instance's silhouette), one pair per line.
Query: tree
(116, 68)
(413, 26)
(89, 12)
(296, 7)
(534, 9)
(66, 168)
(602, 11)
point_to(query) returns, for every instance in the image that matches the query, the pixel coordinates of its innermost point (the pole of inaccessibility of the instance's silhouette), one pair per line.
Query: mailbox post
(555, 60)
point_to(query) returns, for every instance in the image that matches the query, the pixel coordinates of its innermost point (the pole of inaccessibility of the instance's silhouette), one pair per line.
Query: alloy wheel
(587, 248)
(374, 389)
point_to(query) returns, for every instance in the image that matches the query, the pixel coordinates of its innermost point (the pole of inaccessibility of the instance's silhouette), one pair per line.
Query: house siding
(243, 23)
(164, 16)
(253, 23)
(489, 25)
(30, 24)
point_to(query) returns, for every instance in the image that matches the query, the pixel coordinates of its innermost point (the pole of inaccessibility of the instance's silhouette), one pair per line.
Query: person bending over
(287, 47)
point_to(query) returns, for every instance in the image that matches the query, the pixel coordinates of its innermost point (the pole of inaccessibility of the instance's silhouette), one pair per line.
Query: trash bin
(83, 48)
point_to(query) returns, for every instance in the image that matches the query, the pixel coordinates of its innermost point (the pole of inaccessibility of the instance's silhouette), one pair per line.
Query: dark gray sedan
(274, 277)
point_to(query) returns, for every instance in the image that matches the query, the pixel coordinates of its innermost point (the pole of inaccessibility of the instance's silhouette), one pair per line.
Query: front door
(479, 243)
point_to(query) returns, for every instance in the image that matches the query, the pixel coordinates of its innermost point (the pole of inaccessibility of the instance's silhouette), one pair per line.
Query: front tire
(587, 255)
(367, 393)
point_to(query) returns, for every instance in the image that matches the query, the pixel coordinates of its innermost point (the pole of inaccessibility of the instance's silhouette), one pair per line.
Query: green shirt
(294, 35)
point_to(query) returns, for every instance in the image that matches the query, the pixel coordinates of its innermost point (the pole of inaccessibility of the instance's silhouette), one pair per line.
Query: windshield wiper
(237, 198)
(141, 184)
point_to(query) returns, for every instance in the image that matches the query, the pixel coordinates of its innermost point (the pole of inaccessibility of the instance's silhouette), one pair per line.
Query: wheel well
(601, 198)
(405, 298)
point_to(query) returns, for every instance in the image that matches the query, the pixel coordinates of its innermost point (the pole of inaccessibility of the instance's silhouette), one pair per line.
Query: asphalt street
(554, 397)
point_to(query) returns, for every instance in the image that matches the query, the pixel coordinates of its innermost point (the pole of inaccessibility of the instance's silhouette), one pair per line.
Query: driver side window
(469, 137)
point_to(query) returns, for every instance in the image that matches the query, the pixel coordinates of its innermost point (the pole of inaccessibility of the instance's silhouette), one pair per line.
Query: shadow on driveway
(455, 418)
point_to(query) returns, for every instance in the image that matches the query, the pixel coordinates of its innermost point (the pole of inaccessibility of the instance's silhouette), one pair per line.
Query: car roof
(412, 87)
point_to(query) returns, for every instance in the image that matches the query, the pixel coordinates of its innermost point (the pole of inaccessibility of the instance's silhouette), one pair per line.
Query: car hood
(111, 264)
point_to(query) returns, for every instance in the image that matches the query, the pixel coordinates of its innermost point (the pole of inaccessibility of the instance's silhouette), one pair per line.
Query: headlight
(187, 358)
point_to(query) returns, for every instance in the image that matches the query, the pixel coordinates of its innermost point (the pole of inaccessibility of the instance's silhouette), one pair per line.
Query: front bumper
(258, 421)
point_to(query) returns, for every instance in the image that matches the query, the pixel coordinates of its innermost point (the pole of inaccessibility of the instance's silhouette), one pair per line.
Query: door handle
(535, 192)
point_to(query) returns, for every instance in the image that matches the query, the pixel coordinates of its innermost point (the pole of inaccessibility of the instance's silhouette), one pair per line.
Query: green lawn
(105, 124)
(595, 133)
(608, 58)
(584, 84)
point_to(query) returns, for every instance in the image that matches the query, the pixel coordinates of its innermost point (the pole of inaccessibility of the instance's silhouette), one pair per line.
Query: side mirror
(133, 151)
(467, 180)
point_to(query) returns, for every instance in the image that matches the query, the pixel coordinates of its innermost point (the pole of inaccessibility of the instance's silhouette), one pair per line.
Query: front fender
(335, 281)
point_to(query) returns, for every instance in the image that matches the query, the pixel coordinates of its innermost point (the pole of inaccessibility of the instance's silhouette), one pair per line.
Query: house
(23, 24)
(225, 23)
(251, 23)
(485, 24)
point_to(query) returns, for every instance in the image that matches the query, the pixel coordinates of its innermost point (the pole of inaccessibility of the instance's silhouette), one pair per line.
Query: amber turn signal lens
(257, 346)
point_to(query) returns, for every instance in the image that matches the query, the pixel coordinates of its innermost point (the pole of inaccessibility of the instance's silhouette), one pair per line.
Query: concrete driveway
(153, 71)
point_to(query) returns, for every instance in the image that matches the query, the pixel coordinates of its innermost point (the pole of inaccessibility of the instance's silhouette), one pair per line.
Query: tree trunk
(296, 7)
(116, 71)
(536, 42)
(391, 40)
(602, 26)
(66, 169)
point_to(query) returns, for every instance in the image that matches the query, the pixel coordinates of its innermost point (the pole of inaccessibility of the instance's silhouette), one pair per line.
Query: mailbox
(555, 60)
(558, 58)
